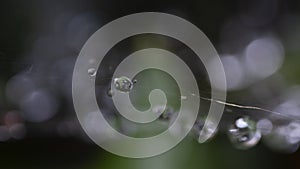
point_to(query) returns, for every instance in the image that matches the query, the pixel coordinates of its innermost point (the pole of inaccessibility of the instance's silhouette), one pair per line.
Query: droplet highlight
(92, 71)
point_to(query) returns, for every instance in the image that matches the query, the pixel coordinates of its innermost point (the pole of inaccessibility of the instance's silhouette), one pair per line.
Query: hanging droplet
(110, 93)
(265, 126)
(123, 84)
(208, 132)
(243, 133)
(193, 94)
(166, 113)
(92, 71)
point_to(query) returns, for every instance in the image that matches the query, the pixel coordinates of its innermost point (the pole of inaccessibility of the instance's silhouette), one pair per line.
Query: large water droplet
(123, 84)
(92, 71)
(243, 133)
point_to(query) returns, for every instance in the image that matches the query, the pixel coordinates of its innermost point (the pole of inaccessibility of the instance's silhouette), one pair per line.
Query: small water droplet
(265, 126)
(110, 93)
(123, 84)
(243, 133)
(209, 132)
(183, 97)
(92, 71)
(166, 113)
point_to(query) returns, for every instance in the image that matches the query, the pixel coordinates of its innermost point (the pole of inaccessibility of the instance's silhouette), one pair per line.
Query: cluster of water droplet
(243, 132)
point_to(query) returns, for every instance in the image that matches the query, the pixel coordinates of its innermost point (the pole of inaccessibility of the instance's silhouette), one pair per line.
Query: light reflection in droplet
(92, 71)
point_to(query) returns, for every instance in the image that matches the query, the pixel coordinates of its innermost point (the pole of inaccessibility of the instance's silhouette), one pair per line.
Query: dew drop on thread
(123, 84)
(92, 72)
(243, 133)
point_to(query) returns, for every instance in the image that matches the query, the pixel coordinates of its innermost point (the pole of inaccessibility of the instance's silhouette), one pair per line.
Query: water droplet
(110, 93)
(209, 132)
(265, 126)
(183, 97)
(166, 114)
(92, 71)
(123, 84)
(243, 133)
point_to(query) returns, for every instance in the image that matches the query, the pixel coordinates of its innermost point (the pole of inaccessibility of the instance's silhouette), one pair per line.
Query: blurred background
(259, 45)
